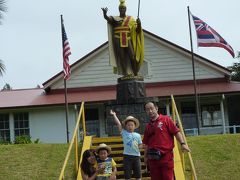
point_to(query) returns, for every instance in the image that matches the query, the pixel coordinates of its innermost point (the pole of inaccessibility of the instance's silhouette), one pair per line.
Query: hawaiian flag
(66, 52)
(208, 37)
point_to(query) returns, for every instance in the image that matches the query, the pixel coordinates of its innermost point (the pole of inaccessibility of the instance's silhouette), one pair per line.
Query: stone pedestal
(130, 100)
(130, 90)
(124, 110)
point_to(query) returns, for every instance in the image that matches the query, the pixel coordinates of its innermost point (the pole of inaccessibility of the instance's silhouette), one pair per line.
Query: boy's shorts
(131, 163)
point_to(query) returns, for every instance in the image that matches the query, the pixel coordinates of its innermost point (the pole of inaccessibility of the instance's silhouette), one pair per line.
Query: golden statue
(126, 42)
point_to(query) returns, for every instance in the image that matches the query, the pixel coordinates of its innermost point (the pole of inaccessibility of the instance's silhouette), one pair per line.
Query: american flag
(66, 52)
(208, 37)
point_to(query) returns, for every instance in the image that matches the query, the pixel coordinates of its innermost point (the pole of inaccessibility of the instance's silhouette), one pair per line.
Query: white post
(11, 127)
(223, 116)
(168, 108)
(234, 129)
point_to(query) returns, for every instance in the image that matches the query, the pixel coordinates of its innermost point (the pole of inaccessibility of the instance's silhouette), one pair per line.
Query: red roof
(38, 97)
(188, 89)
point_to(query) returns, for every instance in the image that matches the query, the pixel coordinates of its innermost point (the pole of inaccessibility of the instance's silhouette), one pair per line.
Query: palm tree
(2, 68)
(3, 8)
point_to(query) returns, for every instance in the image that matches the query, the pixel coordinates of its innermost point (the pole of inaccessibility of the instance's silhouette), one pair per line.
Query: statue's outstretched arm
(105, 10)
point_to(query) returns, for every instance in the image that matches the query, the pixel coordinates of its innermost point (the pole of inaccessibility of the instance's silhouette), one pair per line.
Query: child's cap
(103, 146)
(131, 118)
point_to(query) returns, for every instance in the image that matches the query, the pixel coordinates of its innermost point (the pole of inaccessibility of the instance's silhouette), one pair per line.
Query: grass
(216, 157)
(33, 161)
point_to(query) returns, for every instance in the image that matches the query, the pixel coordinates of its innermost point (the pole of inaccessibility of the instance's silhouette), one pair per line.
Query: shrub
(24, 139)
(4, 142)
(36, 141)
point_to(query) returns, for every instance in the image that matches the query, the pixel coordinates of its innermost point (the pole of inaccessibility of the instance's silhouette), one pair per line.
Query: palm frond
(2, 67)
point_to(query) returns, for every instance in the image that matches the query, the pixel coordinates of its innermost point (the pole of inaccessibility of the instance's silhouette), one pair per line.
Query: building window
(4, 128)
(21, 124)
(211, 115)
(92, 121)
(188, 112)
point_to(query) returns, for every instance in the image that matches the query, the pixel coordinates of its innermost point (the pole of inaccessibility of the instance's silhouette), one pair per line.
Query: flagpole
(65, 91)
(66, 109)
(194, 76)
(138, 8)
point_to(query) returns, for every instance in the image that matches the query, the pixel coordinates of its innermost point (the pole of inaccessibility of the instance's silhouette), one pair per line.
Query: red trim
(186, 82)
(38, 97)
(127, 21)
(83, 89)
(124, 34)
(121, 28)
(124, 38)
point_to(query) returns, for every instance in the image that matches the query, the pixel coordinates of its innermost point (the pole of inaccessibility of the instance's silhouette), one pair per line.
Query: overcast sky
(30, 34)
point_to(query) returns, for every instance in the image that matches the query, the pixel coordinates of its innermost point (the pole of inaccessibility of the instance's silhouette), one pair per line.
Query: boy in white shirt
(132, 141)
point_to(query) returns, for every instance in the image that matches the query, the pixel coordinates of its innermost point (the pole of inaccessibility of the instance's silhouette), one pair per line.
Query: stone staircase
(117, 154)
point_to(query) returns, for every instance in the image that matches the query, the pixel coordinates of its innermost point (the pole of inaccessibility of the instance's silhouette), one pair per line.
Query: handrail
(87, 141)
(174, 114)
(74, 140)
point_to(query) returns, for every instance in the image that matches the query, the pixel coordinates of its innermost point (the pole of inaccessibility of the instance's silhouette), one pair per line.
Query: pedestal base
(130, 91)
(124, 110)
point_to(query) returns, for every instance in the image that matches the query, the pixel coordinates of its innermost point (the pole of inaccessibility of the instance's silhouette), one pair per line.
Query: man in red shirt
(159, 139)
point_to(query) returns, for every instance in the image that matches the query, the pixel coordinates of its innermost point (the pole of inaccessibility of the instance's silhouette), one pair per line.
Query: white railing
(194, 131)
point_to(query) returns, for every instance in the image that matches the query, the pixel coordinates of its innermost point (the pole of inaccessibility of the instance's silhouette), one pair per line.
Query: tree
(6, 87)
(235, 68)
(2, 68)
(3, 8)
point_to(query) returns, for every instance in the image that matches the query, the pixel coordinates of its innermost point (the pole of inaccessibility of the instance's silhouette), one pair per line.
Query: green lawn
(33, 161)
(216, 157)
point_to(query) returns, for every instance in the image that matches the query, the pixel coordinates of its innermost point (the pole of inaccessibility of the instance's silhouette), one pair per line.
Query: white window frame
(21, 124)
(5, 131)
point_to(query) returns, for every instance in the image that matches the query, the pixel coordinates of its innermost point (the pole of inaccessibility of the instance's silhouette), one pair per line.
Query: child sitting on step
(104, 161)
(132, 141)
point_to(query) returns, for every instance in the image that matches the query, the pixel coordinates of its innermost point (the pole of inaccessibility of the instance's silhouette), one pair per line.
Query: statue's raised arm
(126, 42)
(105, 10)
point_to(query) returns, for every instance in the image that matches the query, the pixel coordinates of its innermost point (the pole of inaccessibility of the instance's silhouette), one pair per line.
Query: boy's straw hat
(103, 146)
(131, 118)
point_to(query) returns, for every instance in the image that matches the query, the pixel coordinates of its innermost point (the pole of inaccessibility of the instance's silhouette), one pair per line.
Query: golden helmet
(122, 3)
